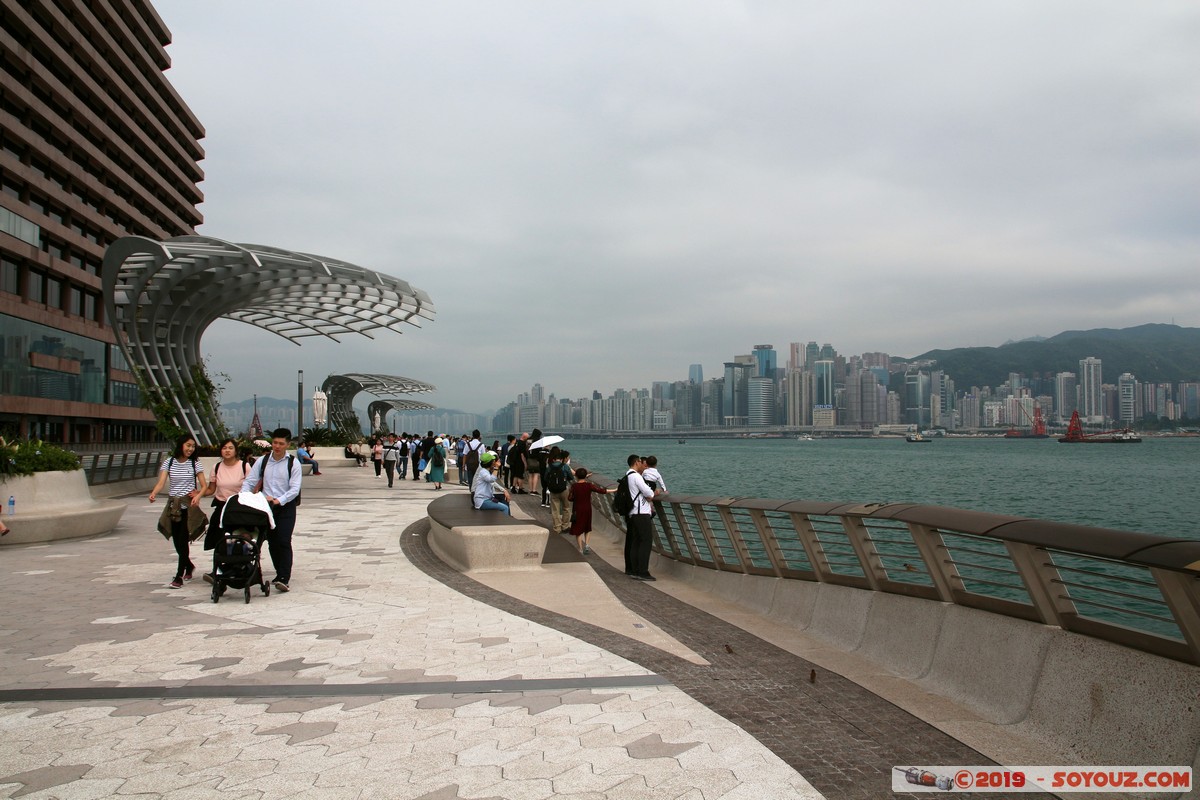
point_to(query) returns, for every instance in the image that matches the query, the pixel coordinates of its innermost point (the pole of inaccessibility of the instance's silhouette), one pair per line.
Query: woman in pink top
(227, 477)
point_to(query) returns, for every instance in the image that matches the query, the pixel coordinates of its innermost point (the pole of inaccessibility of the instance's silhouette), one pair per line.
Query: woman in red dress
(581, 506)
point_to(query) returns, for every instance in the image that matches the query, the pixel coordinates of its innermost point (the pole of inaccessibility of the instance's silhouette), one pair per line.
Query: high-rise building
(1066, 395)
(696, 374)
(824, 383)
(1127, 386)
(916, 399)
(736, 401)
(1091, 396)
(761, 401)
(95, 144)
(765, 360)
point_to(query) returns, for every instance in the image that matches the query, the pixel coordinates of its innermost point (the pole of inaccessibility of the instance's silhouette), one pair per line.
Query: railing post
(685, 533)
(1181, 592)
(941, 570)
(706, 532)
(735, 537)
(864, 549)
(767, 536)
(668, 533)
(1039, 575)
(807, 535)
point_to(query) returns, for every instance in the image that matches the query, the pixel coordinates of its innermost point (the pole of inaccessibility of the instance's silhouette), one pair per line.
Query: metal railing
(1135, 589)
(104, 468)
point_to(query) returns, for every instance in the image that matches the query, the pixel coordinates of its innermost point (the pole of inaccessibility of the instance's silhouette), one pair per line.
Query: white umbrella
(320, 408)
(545, 441)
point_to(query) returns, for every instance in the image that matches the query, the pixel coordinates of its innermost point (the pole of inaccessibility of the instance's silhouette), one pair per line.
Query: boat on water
(917, 437)
(804, 437)
(1075, 434)
(1037, 431)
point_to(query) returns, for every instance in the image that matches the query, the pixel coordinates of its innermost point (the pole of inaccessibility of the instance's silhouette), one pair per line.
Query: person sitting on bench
(483, 492)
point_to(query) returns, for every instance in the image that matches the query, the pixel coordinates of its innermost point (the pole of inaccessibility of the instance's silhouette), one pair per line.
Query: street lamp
(300, 403)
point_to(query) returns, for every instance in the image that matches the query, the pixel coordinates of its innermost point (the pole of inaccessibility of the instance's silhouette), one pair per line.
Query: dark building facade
(95, 144)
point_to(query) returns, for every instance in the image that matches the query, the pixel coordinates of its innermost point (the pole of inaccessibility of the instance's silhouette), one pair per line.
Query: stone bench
(56, 505)
(475, 541)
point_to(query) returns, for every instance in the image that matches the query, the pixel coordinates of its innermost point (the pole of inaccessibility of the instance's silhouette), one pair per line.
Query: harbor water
(1149, 487)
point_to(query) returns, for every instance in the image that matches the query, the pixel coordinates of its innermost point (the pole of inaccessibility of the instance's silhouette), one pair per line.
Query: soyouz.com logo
(1059, 779)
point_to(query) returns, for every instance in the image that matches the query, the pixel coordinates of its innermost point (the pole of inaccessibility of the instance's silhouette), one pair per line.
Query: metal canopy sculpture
(160, 297)
(388, 405)
(342, 389)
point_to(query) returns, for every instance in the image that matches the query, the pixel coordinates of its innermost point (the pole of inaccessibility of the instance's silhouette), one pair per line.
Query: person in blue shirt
(305, 457)
(278, 478)
(483, 490)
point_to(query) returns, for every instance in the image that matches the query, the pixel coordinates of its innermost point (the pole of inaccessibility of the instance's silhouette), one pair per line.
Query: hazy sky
(598, 194)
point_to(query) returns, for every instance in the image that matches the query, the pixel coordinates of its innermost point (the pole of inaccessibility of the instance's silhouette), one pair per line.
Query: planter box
(55, 505)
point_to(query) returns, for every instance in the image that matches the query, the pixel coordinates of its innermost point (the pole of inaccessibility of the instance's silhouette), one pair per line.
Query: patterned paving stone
(359, 614)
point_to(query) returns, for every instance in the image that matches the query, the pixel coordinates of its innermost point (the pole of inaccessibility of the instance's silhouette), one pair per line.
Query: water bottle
(12, 505)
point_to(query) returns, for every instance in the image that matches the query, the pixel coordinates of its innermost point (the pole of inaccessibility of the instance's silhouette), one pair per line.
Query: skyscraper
(765, 358)
(696, 374)
(1091, 397)
(761, 400)
(1127, 398)
(1066, 395)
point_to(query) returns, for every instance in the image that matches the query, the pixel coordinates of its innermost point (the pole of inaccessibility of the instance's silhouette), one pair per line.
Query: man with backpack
(475, 448)
(558, 484)
(637, 497)
(278, 477)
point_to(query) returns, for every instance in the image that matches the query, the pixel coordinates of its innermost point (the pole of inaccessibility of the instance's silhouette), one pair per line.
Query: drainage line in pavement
(202, 691)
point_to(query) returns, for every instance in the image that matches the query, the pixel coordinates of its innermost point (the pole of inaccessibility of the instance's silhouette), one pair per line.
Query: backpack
(263, 470)
(472, 457)
(436, 458)
(622, 503)
(556, 479)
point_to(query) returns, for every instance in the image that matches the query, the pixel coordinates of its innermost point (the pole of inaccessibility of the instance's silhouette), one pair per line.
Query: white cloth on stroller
(256, 500)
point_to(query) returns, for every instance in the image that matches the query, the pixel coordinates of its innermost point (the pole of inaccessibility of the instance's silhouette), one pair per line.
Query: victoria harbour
(1149, 488)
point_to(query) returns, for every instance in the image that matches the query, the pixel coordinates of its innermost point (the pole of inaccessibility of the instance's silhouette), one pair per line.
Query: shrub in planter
(26, 458)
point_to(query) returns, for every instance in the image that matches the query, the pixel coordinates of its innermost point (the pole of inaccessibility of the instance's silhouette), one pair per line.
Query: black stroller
(237, 560)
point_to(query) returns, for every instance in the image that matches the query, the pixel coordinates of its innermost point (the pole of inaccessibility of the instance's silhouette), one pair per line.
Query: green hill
(1152, 353)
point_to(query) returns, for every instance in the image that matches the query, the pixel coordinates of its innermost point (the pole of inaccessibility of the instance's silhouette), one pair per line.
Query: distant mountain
(1152, 353)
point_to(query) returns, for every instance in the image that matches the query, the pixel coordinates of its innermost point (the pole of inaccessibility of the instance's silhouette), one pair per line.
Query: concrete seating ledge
(483, 541)
(56, 505)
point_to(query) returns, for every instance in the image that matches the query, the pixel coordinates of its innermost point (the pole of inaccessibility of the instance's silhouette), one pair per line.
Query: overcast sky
(598, 194)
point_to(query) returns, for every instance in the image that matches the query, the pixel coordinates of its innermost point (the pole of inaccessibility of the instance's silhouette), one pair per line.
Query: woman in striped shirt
(187, 483)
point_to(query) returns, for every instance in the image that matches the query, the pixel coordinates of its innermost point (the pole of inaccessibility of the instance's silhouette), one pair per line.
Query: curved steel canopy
(342, 389)
(160, 297)
(390, 404)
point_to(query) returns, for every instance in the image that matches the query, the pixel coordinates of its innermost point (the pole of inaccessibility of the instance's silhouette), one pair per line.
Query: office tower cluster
(819, 388)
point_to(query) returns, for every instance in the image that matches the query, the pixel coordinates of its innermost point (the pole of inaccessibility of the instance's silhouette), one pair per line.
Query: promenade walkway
(385, 674)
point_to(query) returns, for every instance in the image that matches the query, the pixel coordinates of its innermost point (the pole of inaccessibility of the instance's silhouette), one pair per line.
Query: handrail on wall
(1135, 589)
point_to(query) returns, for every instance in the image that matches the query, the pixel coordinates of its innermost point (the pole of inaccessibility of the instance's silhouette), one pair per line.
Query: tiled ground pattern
(841, 737)
(95, 613)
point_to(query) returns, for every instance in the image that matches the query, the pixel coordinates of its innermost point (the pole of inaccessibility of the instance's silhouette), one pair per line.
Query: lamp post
(300, 403)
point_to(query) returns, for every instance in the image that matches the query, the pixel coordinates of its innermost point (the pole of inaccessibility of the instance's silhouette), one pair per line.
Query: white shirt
(641, 494)
(652, 474)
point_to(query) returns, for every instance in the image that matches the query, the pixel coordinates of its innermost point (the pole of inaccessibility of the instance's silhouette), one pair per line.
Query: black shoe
(646, 577)
(636, 577)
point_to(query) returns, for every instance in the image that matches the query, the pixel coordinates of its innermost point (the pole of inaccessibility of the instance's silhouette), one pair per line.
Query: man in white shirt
(639, 530)
(278, 477)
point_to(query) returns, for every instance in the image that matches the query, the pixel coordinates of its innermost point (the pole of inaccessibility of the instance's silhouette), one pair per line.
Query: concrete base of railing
(1086, 699)
(478, 541)
(56, 505)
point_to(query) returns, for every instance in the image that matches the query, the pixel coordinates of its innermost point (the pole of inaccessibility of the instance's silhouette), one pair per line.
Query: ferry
(917, 437)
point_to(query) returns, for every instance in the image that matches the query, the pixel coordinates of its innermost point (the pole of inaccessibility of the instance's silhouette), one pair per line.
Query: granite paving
(381, 674)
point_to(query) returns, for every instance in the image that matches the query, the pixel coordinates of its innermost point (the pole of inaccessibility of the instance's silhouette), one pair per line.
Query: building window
(90, 305)
(16, 225)
(35, 291)
(74, 301)
(54, 293)
(10, 277)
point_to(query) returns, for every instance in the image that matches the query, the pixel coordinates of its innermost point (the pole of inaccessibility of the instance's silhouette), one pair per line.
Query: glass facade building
(95, 144)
